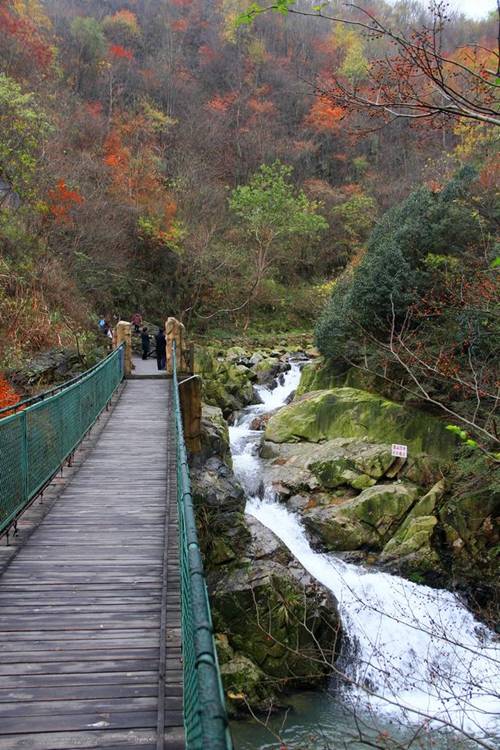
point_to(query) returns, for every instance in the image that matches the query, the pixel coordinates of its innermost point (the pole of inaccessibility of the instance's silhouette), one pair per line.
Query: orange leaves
(207, 54)
(325, 115)
(180, 25)
(170, 211)
(28, 37)
(221, 103)
(94, 108)
(434, 186)
(121, 53)
(127, 18)
(489, 176)
(62, 200)
(261, 106)
(8, 396)
(115, 154)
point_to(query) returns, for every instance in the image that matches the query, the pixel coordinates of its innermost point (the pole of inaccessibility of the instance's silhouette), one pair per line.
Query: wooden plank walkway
(90, 607)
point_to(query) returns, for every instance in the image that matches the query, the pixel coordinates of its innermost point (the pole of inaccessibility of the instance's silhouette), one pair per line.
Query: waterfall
(415, 652)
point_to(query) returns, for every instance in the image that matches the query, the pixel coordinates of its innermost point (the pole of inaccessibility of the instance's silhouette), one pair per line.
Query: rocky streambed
(298, 525)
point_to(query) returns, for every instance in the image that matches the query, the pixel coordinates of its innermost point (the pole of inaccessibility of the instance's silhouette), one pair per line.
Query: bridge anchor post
(123, 335)
(189, 384)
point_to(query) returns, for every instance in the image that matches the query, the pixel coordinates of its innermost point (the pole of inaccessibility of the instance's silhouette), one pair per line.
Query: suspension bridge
(106, 636)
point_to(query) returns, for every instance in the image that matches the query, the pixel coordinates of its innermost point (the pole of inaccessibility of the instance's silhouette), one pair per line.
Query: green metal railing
(36, 440)
(205, 718)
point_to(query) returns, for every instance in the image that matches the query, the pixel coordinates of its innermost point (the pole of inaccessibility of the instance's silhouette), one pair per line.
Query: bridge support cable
(205, 718)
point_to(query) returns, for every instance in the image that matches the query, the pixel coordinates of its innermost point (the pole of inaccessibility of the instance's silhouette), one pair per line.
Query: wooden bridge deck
(89, 608)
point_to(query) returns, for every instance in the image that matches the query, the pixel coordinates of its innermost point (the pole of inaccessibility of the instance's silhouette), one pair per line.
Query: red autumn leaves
(62, 201)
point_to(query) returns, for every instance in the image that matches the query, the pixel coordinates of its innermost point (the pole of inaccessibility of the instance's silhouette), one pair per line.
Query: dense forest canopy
(133, 134)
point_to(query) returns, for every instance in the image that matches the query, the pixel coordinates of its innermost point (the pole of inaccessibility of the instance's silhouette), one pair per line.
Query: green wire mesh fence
(35, 442)
(205, 719)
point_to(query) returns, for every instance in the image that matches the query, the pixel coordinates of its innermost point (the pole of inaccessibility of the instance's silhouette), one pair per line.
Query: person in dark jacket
(145, 343)
(161, 349)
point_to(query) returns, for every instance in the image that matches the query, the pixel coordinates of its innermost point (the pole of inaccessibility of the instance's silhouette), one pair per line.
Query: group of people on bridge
(142, 331)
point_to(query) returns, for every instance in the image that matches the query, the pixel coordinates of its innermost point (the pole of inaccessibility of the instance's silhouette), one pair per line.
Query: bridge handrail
(36, 440)
(7, 410)
(205, 718)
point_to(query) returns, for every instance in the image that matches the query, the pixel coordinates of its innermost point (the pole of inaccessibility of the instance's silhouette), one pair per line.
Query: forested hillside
(129, 130)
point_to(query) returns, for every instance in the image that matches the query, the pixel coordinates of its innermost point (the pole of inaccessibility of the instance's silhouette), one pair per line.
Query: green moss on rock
(412, 546)
(365, 522)
(275, 622)
(348, 412)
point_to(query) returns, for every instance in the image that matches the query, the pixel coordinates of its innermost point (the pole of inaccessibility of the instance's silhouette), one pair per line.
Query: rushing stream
(416, 656)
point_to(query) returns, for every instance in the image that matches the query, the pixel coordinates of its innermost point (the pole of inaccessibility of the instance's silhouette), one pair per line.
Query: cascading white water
(417, 652)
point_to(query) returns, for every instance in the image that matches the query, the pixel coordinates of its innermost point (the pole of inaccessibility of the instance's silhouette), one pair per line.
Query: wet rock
(260, 421)
(410, 549)
(214, 436)
(364, 522)
(342, 462)
(274, 623)
(246, 685)
(280, 619)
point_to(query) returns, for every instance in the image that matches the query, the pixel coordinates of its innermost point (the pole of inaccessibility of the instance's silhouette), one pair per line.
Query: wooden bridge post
(190, 396)
(123, 335)
(189, 387)
(175, 331)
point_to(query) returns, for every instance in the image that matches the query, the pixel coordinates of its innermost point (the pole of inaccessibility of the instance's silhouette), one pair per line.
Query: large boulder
(320, 375)
(342, 462)
(219, 503)
(46, 368)
(411, 550)
(275, 614)
(364, 522)
(348, 412)
(214, 436)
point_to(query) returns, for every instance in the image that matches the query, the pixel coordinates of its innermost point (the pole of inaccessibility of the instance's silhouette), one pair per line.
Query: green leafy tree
(23, 129)
(273, 214)
(90, 46)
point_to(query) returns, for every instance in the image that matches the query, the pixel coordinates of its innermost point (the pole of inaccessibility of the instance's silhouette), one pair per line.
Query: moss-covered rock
(319, 376)
(342, 462)
(245, 684)
(364, 522)
(227, 383)
(220, 504)
(348, 412)
(411, 549)
(277, 622)
(214, 436)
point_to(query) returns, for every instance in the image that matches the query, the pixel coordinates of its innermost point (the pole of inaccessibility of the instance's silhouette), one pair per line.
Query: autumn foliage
(120, 53)
(121, 157)
(62, 201)
(8, 396)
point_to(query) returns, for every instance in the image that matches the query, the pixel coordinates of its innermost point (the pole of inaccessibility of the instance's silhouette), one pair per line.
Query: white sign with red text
(401, 451)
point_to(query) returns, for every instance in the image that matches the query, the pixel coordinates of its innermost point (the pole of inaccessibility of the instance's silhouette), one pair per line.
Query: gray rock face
(364, 522)
(273, 613)
(276, 627)
(293, 468)
(48, 367)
